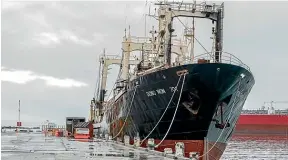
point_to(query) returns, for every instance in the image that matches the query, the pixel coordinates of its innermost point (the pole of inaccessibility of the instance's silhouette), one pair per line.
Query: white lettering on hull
(159, 91)
(155, 92)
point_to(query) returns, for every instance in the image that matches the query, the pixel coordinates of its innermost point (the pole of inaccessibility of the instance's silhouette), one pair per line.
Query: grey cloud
(256, 32)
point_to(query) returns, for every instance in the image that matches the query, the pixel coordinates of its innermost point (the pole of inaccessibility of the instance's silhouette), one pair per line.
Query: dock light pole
(19, 115)
(18, 122)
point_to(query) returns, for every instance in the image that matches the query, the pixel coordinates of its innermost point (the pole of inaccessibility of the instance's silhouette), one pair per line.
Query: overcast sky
(50, 52)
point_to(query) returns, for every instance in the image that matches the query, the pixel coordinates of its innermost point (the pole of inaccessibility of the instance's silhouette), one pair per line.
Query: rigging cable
(194, 36)
(174, 113)
(163, 112)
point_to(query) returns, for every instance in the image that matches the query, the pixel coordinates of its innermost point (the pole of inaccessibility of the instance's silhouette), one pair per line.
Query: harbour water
(264, 149)
(36, 146)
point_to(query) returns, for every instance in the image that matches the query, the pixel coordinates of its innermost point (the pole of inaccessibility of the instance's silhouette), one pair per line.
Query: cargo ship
(173, 95)
(263, 123)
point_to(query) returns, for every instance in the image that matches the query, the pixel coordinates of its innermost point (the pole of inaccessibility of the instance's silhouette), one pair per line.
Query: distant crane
(271, 109)
(273, 102)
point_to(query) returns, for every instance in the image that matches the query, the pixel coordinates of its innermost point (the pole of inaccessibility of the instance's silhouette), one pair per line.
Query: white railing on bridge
(225, 57)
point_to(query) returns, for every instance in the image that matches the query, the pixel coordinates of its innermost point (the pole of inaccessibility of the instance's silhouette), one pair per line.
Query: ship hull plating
(216, 148)
(205, 87)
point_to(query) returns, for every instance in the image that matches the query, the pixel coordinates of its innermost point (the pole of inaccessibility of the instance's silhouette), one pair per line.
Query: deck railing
(224, 57)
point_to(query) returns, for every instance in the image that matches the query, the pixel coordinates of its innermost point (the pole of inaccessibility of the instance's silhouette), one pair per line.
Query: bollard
(106, 137)
(194, 155)
(137, 141)
(150, 144)
(126, 140)
(179, 149)
(118, 139)
(168, 151)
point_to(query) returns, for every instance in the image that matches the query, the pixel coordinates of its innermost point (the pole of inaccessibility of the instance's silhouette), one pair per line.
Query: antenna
(145, 26)
(149, 8)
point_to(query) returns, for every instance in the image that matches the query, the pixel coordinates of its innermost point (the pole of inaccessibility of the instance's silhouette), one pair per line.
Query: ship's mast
(192, 40)
(219, 33)
(103, 77)
(189, 33)
(126, 56)
(193, 37)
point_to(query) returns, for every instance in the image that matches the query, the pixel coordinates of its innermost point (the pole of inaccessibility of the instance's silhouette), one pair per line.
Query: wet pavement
(36, 146)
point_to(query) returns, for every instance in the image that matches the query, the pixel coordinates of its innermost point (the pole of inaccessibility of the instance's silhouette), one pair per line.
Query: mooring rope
(163, 112)
(174, 113)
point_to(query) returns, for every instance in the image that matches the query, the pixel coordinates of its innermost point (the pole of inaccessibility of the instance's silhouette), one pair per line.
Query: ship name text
(173, 89)
(159, 91)
(155, 92)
